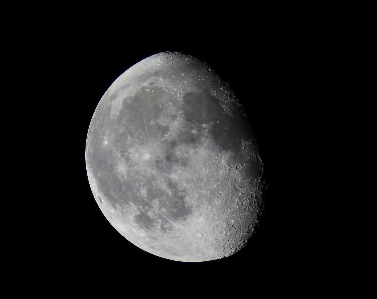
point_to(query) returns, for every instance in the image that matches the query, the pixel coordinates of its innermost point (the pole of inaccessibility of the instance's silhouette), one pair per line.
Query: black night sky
(71, 64)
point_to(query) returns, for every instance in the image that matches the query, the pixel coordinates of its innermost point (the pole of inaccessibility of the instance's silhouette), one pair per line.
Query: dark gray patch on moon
(201, 107)
(171, 161)
(144, 221)
(175, 203)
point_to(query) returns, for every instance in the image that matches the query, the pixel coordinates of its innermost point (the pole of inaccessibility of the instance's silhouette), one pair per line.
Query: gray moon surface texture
(172, 160)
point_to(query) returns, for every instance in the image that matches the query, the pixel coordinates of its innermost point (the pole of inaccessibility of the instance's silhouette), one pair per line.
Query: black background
(67, 65)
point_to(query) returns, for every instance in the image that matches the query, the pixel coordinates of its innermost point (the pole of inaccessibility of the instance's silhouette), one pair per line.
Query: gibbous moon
(172, 160)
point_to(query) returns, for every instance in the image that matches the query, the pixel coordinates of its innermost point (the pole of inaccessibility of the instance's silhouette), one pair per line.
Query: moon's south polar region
(172, 161)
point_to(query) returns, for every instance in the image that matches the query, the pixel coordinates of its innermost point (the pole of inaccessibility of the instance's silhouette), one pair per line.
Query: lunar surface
(172, 160)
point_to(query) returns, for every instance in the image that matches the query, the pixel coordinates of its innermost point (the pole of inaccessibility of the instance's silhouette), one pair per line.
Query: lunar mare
(172, 161)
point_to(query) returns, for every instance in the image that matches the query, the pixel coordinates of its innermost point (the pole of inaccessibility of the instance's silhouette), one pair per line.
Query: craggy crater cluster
(171, 160)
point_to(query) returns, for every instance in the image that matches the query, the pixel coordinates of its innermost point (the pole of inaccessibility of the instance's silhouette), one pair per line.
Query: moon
(172, 160)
